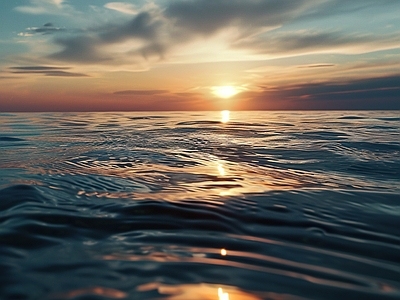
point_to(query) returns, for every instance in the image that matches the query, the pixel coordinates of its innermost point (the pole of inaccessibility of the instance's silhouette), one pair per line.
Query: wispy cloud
(315, 66)
(141, 92)
(47, 28)
(122, 7)
(142, 37)
(81, 49)
(46, 71)
(323, 9)
(303, 42)
(37, 7)
(9, 77)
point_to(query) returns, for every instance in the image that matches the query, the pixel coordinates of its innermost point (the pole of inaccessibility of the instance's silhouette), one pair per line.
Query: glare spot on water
(223, 252)
(221, 170)
(225, 116)
(226, 193)
(198, 291)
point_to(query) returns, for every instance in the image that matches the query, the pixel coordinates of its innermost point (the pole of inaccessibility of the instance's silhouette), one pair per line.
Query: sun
(225, 91)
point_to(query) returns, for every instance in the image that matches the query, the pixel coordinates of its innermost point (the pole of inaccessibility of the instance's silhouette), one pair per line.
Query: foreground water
(181, 206)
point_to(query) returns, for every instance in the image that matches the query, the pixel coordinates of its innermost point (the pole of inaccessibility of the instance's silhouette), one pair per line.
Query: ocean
(187, 206)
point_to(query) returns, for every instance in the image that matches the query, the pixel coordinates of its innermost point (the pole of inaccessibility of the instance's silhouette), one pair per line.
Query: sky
(139, 55)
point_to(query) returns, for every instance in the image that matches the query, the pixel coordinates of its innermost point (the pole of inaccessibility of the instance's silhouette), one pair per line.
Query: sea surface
(187, 206)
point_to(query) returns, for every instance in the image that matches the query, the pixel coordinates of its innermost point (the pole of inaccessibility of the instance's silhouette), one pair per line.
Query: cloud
(141, 92)
(47, 28)
(9, 77)
(207, 17)
(255, 29)
(315, 66)
(144, 26)
(371, 93)
(38, 68)
(304, 42)
(143, 33)
(42, 7)
(188, 94)
(82, 49)
(46, 71)
(335, 7)
(122, 7)
(154, 32)
(363, 88)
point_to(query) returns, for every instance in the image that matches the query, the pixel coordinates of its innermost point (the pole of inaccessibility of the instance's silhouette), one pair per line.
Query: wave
(125, 206)
(10, 139)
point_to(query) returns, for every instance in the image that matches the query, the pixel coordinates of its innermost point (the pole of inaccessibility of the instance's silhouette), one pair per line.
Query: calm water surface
(182, 206)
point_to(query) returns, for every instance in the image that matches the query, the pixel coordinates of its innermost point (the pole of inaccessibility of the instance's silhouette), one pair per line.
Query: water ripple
(173, 206)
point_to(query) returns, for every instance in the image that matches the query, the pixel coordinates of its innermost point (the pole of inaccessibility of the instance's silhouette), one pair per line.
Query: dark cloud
(187, 94)
(141, 92)
(387, 85)
(143, 26)
(46, 71)
(82, 49)
(372, 93)
(38, 68)
(180, 22)
(47, 28)
(372, 88)
(290, 43)
(157, 30)
(88, 48)
(206, 17)
(315, 66)
(65, 74)
(310, 41)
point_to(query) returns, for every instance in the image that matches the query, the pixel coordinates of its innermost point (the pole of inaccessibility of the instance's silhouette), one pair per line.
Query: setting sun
(226, 91)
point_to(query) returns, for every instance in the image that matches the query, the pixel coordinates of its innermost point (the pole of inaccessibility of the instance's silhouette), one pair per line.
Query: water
(181, 206)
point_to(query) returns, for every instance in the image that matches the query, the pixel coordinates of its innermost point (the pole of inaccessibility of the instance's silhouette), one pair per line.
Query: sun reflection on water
(198, 291)
(221, 169)
(225, 116)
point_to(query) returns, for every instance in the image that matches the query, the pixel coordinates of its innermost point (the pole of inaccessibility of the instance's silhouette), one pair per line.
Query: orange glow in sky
(99, 55)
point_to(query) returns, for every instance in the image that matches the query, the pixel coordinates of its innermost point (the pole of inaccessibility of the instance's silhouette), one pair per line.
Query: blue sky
(175, 55)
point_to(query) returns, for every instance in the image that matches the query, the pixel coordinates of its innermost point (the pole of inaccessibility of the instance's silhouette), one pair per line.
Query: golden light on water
(225, 116)
(92, 291)
(223, 252)
(225, 91)
(221, 170)
(199, 291)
